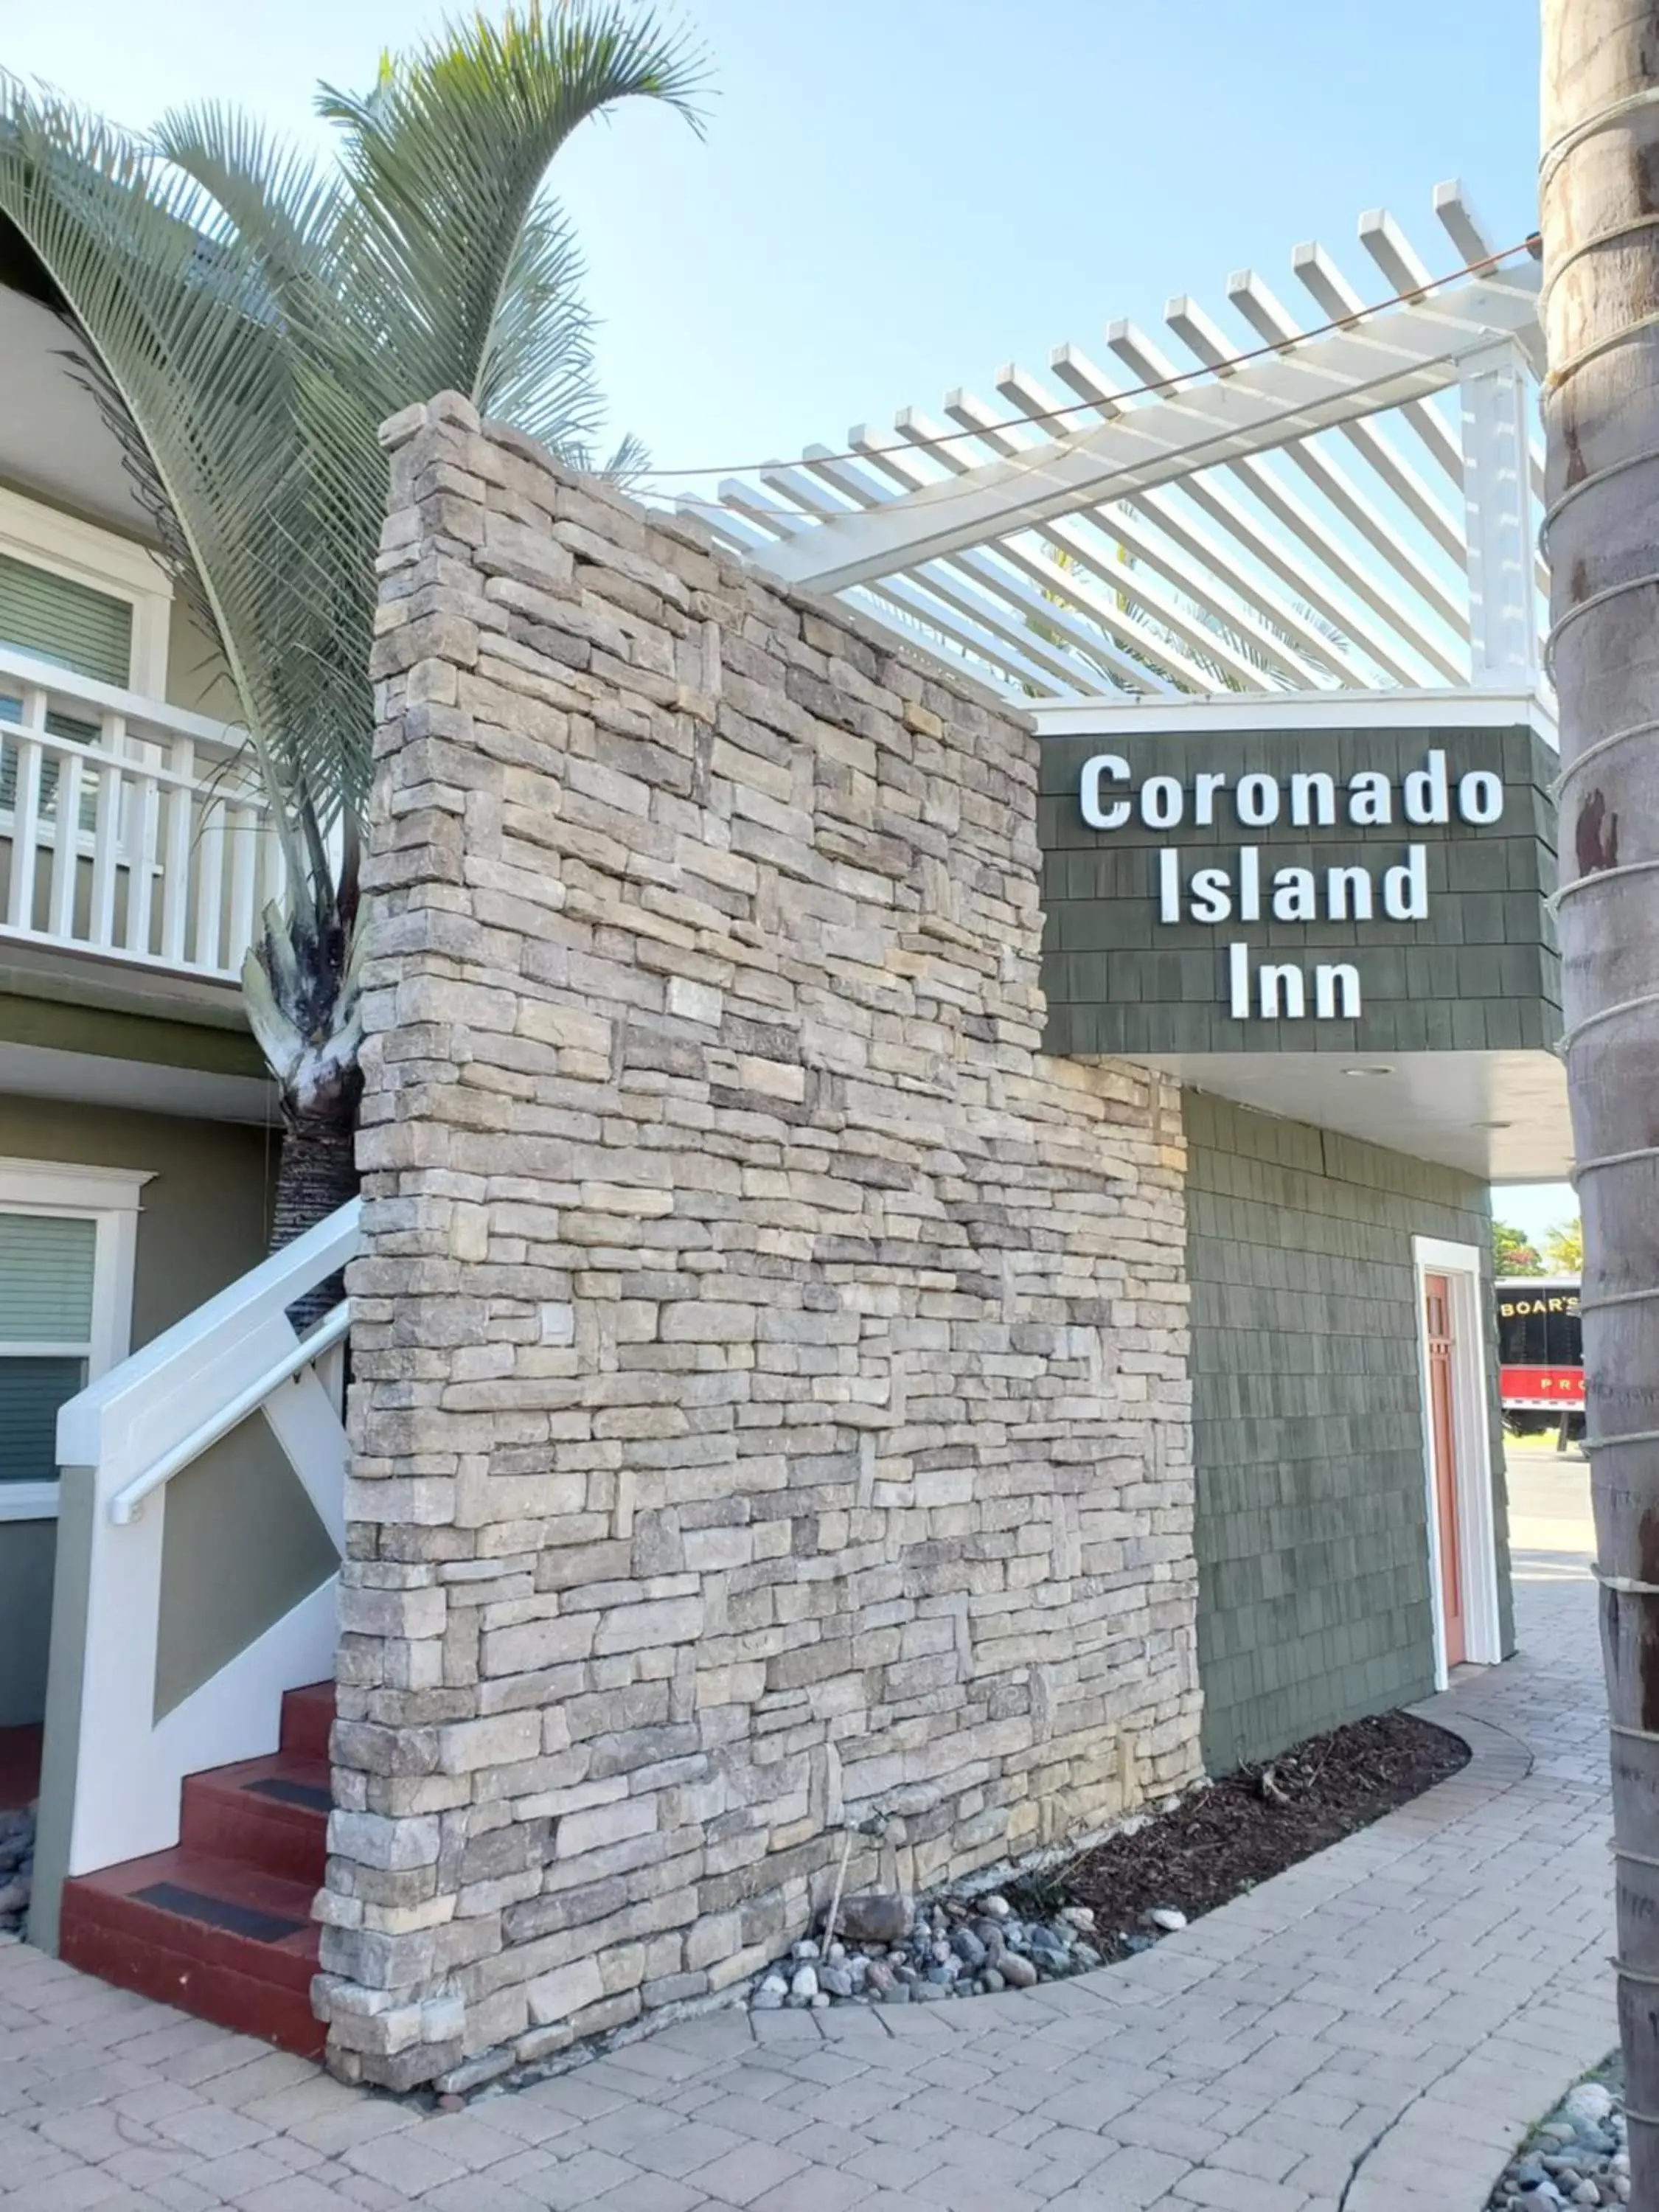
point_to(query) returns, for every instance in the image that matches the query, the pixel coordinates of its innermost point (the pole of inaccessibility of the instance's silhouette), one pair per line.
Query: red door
(1443, 1429)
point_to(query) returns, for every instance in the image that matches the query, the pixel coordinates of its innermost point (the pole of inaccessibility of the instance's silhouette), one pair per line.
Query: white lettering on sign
(1105, 768)
(1230, 889)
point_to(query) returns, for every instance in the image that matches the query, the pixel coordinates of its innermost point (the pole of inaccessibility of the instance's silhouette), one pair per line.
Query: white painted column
(1503, 641)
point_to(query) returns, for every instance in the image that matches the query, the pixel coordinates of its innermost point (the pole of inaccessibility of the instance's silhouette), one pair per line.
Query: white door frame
(1483, 1635)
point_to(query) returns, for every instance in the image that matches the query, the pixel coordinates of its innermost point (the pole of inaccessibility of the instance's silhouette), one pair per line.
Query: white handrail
(235, 1361)
(131, 1416)
(128, 1503)
(38, 675)
(97, 757)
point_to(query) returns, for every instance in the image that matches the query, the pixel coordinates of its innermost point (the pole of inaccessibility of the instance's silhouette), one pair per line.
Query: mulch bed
(1252, 1824)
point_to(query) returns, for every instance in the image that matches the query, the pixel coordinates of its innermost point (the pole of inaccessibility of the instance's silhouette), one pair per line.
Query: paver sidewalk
(1371, 2031)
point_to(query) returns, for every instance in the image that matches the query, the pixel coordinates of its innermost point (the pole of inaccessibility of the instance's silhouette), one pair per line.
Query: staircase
(221, 1924)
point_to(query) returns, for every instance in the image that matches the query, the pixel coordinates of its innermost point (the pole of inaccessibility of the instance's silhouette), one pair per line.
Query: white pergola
(1324, 517)
(1335, 503)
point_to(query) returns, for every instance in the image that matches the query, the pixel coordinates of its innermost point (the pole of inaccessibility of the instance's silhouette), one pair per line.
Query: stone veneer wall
(770, 1404)
(1313, 1543)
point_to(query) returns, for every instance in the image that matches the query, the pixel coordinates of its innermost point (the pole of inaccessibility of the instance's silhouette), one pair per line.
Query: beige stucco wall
(202, 1222)
(196, 674)
(771, 1410)
(204, 1213)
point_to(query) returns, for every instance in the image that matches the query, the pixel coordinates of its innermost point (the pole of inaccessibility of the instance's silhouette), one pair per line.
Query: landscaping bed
(1144, 1883)
(1251, 1825)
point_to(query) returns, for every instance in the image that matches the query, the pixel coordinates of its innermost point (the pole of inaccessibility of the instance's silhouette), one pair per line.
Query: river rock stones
(1577, 2156)
(886, 1948)
(16, 1868)
(878, 1916)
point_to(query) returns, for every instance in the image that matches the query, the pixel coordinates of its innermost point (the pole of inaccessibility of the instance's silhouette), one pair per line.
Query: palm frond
(235, 433)
(307, 236)
(191, 365)
(271, 196)
(538, 374)
(448, 156)
(244, 321)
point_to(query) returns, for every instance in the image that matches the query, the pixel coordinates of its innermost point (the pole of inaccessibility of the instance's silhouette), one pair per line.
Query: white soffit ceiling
(52, 439)
(1499, 1115)
(31, 1071)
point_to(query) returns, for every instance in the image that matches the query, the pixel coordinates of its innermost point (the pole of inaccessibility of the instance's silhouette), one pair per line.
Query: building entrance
(1437, 1326)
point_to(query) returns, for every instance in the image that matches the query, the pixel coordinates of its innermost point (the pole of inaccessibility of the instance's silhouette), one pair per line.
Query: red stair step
(220, 1926)
(217, 1937)
(271, 1812)
(307, 1717)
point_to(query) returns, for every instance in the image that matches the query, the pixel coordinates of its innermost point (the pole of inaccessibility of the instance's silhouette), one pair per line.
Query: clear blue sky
(897, 195)
(894, 197)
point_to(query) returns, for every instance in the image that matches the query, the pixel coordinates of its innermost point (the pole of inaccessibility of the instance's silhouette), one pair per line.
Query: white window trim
(1483, 1635)
(63, 545)
(109, 1197)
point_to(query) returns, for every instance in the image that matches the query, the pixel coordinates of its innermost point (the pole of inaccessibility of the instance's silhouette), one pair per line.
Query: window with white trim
(46, 1266)
(57, 618)
(86, 601)
(84, 597)
(68, 1244)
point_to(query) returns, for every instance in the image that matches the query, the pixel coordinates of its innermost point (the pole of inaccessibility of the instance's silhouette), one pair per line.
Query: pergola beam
(1271, 320)
(1408, 352)
(1395, 627)
(1203, 529)
(1280, 633)
(1208, 342)
(1245, 534)
(1181, 610)
(1334, 297)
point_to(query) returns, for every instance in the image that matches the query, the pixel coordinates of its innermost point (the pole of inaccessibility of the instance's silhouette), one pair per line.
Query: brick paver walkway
(1369, 2031)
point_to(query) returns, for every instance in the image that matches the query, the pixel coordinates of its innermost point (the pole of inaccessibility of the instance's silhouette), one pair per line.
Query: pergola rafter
(1287, 508)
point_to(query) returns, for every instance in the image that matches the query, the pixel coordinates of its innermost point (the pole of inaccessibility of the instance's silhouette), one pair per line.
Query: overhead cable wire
(1201, 371)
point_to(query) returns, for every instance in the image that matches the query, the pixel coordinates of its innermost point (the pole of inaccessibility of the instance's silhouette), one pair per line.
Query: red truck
(1541, 1359)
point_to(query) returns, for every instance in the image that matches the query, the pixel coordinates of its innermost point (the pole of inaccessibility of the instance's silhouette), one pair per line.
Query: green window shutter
(56, 619)
(46, 1279)
(31, 1392)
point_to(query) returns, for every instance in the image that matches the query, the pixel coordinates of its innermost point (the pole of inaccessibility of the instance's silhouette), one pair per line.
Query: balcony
(130, 832)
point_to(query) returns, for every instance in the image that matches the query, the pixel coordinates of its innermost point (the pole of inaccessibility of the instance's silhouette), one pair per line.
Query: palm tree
(246, 320)
(1600, 130)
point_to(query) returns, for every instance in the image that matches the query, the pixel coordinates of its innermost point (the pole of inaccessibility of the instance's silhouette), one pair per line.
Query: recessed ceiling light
(1368, 1071)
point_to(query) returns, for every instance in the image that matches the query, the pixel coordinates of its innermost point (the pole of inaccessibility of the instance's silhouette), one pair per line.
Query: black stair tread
(236, 1917)
(205, 1874)
(284, 1776)
(286, 1789)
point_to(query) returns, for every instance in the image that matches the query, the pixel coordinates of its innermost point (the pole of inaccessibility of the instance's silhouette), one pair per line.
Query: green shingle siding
(1307, 1428)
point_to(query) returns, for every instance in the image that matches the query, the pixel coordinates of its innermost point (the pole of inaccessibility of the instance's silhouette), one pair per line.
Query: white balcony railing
(128, 828)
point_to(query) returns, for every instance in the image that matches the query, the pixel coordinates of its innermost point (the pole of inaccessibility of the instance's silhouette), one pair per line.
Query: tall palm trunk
(1600, 195)
(300, 988)
(317, 1169)
(316, 1173)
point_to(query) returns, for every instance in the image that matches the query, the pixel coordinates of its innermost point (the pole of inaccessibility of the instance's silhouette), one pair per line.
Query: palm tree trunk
(1600, 191)
(316, 1173)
